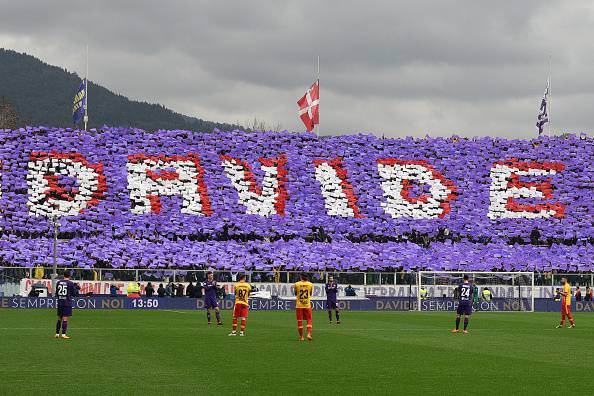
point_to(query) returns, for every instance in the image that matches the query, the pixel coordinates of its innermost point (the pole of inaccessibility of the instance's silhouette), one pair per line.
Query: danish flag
(308, 106)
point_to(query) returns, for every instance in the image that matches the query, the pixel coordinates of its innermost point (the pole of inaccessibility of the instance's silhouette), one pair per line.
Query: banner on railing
(285, 290)
(276, 304)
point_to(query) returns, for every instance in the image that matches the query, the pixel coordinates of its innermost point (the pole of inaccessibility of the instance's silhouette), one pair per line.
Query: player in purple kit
(331, 303)
(65, 290)
(465, 291)
(210, 297)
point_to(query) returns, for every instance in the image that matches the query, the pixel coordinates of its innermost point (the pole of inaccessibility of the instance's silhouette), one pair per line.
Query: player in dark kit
(65, 290)
(210, 298)
(331, 303)
(465, 291)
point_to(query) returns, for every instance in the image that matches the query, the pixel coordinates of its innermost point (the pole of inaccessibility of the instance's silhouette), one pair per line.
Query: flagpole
(318, 126)
(86, 117)
(549, 104)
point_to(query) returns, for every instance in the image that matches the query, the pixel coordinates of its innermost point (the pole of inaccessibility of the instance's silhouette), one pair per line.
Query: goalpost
(510, 291)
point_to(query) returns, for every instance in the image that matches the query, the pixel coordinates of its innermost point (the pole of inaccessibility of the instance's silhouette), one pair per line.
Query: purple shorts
(331, 304)
(64, 310)
(464, 308)
(210, 303)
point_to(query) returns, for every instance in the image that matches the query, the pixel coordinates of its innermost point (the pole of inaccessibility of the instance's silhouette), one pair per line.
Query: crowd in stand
(169, 289)
(137, 216)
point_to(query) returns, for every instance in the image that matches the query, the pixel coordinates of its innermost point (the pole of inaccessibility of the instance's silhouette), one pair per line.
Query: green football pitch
(174, 352)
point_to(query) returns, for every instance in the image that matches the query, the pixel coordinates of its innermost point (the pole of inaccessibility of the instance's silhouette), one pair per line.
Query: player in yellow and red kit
(240, 311)
(566, 304)
(303, 291)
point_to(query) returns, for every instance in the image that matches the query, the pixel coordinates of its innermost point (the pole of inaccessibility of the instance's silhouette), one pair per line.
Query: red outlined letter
(265, 200)
(151, 177)
(47, 197)
(339, 197)
(398, 177)
(506, 188)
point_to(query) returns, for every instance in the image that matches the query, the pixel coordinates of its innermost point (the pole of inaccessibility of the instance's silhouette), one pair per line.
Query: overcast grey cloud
(388, 67)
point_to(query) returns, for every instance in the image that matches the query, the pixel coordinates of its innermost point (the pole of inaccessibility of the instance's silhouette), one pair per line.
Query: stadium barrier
(284, 290)
(19, 280)
(368, 278)
(23, 286)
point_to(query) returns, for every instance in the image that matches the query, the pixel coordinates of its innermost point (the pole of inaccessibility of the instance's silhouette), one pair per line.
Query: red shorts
(303, 313)
(240, 311)
(566, 309)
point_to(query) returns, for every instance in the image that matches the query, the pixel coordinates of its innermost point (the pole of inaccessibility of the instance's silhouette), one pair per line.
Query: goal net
(496, 291)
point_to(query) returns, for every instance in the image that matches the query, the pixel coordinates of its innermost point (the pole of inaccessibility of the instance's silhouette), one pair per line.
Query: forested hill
(42, 94)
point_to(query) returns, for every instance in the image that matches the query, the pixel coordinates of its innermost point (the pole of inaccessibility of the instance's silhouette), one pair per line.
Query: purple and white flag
(543, 116)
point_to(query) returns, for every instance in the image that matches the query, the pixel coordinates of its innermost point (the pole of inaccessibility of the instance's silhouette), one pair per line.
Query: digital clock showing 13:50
(148, 303)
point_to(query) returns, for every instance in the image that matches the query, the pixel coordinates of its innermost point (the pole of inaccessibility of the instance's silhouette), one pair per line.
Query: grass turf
(158, 352)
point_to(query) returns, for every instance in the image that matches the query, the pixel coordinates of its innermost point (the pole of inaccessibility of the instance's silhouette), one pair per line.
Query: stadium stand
(128, 198)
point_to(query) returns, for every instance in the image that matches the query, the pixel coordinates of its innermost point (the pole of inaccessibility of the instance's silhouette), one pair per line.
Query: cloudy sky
(389, 67)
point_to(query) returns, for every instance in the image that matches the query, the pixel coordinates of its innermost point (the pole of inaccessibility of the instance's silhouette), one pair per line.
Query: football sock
(457, 323)
(465, 323)
(58, 325)
(234, 324)
(330, 316)
(243, 323)
(218, 314)
(300, 329)
(64, 327)
(208, 315)
(337, 315)
(309, 328)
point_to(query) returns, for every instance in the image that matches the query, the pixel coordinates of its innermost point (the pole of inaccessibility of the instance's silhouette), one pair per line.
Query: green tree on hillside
(42, 95)
(9, 119)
